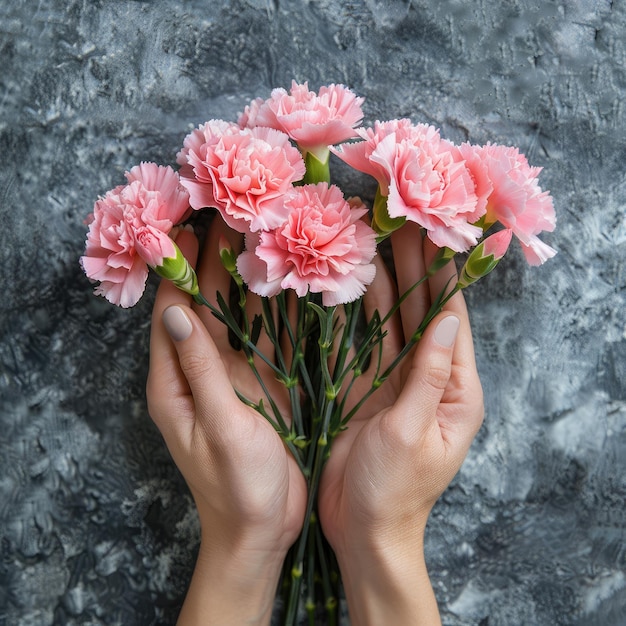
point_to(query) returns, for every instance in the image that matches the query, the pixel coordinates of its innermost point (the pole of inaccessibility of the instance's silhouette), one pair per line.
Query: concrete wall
(96, 525)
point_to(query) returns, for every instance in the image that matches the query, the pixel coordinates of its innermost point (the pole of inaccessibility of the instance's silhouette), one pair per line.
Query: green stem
(296, 340)
(289, 379)
(330, 598)
(296, 570)
(310, 601)
(351, 310)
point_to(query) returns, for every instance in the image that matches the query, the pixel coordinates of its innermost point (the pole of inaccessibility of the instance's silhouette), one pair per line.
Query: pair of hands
(385, 471)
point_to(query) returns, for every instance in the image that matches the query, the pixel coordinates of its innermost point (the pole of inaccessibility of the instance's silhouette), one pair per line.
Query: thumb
(430, 371)
(201, 365)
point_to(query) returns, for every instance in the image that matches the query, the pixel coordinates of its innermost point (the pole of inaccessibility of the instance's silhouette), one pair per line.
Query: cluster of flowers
(268, 177)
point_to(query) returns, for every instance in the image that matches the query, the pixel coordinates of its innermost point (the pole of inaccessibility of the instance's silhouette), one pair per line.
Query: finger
(430, 370)
(461, 410)
(201, 364)
(465, 386)
(444, 281)
(410, 267)
(166, 384)
(161, 348)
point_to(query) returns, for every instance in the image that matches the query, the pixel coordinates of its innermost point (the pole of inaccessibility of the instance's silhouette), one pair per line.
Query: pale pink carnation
(358, 154)
(128, 230)
(244, 173)
(248, 119)
(203, 138)
(324, 247)
(516, 199)
(313, 120)
(424, 178)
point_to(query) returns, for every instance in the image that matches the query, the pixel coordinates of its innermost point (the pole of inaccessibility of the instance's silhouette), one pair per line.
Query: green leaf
(257, 325)
(325, 316)
(229, 318)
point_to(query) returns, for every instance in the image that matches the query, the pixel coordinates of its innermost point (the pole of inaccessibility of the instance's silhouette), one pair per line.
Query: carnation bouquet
(308, 252)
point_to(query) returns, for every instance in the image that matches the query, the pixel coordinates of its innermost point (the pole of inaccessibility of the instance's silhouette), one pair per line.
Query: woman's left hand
(248, 489)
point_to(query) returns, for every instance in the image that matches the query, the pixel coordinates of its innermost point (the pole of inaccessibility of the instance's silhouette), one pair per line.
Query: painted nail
(179, 229)
(177, 323)
(446, 331)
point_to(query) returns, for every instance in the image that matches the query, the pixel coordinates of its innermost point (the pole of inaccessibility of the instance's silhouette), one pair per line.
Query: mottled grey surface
(96, 526)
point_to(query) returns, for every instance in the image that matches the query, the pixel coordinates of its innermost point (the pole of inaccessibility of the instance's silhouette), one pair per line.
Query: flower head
(423, 177)
(358, 154)
(313, 120)
(244, 173)
(128, 231)
(508, 188)
(323, 247)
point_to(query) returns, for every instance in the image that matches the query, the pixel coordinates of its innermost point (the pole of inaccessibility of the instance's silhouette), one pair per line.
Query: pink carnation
(203, 138)
(358, 154)
(509, 188)
(248, 119)
(424, 178)
(324, 247)
(244, 173)
(313, 121)
(128, 230)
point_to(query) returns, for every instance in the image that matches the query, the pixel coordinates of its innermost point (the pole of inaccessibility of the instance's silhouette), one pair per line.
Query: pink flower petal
(323, 247)
(312, 120)
(537, 252)
(515, 199)
(244, 173)
(128, 230)
(254, 272)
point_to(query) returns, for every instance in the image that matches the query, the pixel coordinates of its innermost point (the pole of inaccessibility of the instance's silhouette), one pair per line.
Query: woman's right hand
(403, 447)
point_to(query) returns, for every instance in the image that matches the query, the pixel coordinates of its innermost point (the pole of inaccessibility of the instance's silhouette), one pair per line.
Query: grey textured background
(96, 526)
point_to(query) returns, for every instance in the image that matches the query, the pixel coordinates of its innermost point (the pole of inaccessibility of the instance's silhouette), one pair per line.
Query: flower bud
(227, 255)
(178, 270)
(229, 259)
(484, 257)
(442, 258)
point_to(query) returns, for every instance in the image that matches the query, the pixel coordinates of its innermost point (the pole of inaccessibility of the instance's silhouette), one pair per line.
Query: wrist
(388, 584)
(231, 586)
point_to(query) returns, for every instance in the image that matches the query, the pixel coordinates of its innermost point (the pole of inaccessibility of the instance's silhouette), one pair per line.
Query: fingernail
(177, 324)
(446, 331)
(176, 230)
